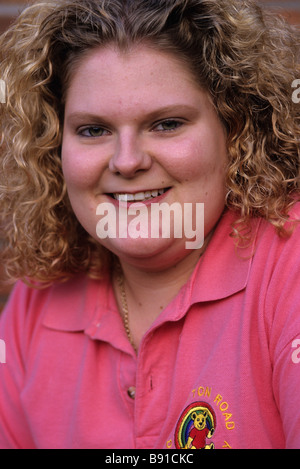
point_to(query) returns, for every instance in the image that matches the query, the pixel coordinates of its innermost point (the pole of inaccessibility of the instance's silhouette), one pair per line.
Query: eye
(168, 125)
(93, 131)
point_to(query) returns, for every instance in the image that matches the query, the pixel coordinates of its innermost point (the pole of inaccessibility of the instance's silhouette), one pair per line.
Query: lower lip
(147, 202)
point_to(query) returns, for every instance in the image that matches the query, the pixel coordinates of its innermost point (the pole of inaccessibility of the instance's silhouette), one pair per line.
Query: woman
(116, 337)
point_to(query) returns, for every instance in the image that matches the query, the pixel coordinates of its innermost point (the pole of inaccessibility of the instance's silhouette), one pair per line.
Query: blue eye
(168, 125)
(93, 132)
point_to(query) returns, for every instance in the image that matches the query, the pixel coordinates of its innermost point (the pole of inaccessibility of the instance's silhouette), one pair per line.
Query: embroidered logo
(195, 426)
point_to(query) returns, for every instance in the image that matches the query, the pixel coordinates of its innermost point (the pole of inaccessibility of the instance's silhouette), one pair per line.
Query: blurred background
(10, 9)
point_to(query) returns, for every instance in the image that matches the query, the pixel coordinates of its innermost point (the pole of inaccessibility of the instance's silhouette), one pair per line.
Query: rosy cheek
(179, 159)
(79, 170)
(190, 162)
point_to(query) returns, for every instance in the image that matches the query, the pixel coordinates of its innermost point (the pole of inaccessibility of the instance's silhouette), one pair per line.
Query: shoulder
(275, 279)
(33, 297)
(61, 304)
(270, 240)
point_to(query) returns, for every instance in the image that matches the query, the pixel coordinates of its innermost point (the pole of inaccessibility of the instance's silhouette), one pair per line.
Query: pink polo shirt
(220, 366)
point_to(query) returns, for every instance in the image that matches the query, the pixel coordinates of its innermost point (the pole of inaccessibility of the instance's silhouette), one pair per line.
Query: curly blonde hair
(246, 58)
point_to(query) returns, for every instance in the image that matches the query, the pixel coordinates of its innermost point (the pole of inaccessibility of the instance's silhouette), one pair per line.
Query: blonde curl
(247, 59)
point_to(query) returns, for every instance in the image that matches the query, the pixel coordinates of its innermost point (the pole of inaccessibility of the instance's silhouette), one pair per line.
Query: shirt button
(131, 392)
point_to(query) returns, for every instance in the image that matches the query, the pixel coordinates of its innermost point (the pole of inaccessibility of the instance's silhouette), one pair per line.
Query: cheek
(78, 180)
(79, 169)
(210, 160)
(196, 160)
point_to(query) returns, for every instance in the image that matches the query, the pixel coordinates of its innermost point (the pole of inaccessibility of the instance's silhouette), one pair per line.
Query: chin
(148, 254)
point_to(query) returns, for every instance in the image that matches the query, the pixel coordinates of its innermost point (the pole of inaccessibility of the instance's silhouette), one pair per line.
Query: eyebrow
(172, 110)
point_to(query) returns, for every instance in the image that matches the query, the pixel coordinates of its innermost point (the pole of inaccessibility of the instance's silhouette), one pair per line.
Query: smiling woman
(131, 151)
(119, 106)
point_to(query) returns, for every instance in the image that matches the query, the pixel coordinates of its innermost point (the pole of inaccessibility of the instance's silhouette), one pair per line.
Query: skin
(138, 121)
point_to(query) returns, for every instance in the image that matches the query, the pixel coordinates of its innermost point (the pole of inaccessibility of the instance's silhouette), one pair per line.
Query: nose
(129, 156)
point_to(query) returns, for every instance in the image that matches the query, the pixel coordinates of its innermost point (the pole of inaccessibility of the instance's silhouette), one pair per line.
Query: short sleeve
(283, 324)
(14, 430)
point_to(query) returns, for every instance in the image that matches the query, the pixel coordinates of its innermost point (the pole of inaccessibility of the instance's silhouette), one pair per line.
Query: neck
(166, 281)
(141, 283)
(148, 293)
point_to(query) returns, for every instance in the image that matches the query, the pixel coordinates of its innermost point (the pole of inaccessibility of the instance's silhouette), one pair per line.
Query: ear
(194, 415)
(204, 413)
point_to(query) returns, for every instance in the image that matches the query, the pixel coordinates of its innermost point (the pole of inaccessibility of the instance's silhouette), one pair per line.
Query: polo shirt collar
(224, 268)
(73, 305)
(222, 271)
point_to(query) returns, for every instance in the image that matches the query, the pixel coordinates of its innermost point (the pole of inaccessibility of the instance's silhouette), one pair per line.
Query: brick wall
(9, 9)
(290, 8)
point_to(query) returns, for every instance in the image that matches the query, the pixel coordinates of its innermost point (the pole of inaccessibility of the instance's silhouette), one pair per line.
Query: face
(139, 129)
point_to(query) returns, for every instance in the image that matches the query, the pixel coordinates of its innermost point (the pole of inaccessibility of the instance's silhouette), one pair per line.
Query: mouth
(138, 196)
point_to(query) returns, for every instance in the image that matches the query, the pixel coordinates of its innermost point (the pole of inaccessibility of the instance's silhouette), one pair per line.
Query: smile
(139, 196)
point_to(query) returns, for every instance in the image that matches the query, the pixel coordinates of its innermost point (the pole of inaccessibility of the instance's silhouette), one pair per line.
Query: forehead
(107, 75)
(108, 56)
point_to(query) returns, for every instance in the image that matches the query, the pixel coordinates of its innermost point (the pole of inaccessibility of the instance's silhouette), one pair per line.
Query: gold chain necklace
(125, 309)
(120, 279)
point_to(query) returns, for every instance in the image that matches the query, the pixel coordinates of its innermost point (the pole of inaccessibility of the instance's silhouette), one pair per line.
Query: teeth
(139, 195)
